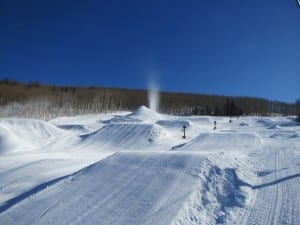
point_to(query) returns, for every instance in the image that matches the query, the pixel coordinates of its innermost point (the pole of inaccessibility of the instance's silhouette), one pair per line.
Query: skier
(215, 125)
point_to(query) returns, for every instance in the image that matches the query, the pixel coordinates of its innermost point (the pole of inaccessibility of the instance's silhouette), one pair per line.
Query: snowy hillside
(135, 168)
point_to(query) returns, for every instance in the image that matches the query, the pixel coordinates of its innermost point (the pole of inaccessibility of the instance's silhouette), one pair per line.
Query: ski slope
(135, 168)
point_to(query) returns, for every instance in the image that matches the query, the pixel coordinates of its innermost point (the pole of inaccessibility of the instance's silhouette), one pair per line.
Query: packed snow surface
(135, 168)
(144, 113)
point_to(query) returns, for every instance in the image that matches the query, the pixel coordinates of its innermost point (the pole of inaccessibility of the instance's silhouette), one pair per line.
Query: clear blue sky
(232, 47)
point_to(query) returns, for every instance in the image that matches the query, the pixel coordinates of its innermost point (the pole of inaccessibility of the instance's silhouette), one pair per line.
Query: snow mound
(222, 189)
(287, 124)
(6, 141)
(284, 134)
(125, 136)
(219, 194)
(266, 122)
(157, 133)
(145, 114)
(225, 141)
(141, 114)
(25, 134)
(277, 124)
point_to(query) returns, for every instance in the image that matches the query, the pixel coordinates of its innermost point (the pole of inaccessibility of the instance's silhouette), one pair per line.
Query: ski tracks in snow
(278, 194)
(126, 188)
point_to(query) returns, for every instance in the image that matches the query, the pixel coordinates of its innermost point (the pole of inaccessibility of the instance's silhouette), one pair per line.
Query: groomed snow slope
(136, 169)
(223, 141)
(124, 136)
(126, 188)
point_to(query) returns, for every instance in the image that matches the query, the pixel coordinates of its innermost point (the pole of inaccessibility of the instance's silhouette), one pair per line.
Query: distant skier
(215, 125)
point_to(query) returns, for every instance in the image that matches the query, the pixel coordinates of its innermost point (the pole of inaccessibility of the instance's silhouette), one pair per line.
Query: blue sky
(233, 47)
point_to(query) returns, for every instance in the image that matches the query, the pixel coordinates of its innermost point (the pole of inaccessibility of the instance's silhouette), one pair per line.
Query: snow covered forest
(34, 100)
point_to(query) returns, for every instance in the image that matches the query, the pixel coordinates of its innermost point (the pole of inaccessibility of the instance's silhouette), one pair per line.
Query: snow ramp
(25, 134)
(134, 188)
(223, 141)
(124, 136)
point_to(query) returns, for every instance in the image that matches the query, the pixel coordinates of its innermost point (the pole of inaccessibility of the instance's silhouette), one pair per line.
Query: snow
(25, 134)
(124, 136)
(135, 168)
(222, 141)
(145, 114)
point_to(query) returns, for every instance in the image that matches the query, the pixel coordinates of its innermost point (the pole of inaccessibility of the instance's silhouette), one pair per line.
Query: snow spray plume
(153, 96)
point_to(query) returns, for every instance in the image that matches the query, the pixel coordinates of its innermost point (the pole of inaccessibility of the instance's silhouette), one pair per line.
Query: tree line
(34, 100)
